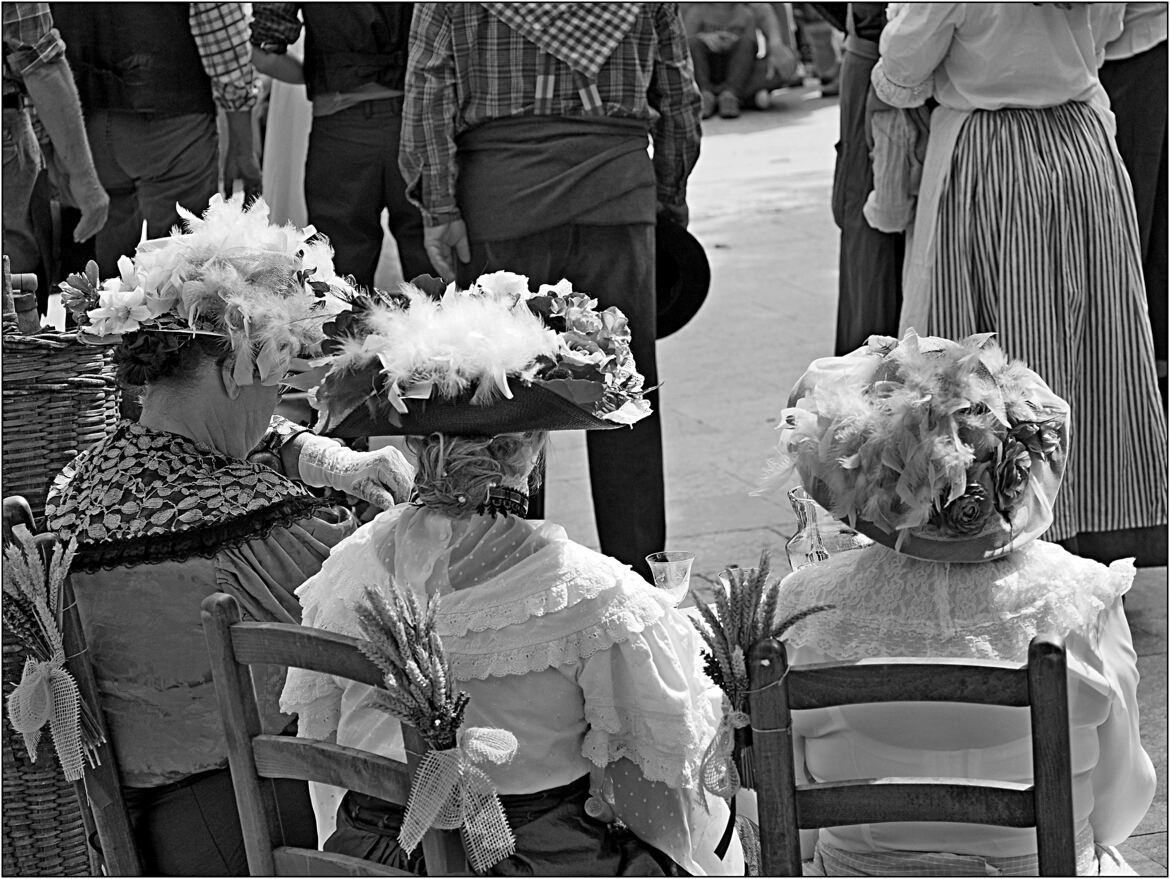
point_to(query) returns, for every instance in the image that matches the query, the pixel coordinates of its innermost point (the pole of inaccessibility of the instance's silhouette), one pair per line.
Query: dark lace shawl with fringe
(145, 496)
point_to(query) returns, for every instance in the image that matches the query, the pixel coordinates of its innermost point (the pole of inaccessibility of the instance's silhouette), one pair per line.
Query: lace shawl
(143, 495)
(520, 597)
(889, 604)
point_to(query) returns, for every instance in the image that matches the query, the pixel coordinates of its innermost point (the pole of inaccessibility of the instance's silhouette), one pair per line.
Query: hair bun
(145, 358)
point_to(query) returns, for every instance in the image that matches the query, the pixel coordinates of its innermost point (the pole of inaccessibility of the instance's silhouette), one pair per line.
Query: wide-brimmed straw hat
(945, 451)
(496, 358)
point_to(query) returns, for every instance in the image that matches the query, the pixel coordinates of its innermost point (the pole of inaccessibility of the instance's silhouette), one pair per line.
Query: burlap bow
(47, 693)
(450, 791)
(717, 772)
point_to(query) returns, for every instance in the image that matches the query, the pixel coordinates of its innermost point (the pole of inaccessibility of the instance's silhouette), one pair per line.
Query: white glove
(383, 477)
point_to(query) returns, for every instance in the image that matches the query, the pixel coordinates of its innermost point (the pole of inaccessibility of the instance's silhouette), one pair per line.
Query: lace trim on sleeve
(318, 712)
(900, 95)
(666, 747)
(479, 655)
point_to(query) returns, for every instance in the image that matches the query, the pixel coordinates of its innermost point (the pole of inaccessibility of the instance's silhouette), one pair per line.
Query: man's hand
(444, 243)
(94, 204)
(781, 61)
(678, 213)
(718, 41)
(240, 161)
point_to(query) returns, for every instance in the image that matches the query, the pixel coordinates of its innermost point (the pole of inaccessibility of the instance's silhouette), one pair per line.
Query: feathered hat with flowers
(495, 358)
(945, 451)
(267, 289)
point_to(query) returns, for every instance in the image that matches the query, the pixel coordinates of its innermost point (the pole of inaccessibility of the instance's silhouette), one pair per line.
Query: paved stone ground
(759, 200)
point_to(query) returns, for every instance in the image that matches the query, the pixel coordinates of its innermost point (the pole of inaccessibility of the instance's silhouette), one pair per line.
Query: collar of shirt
(582, 36)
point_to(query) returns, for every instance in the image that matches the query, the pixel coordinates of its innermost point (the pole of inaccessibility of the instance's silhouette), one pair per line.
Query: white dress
(889, 604)
(575, 654)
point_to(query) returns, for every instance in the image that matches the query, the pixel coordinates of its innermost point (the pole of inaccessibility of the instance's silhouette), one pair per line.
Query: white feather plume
(458, 343)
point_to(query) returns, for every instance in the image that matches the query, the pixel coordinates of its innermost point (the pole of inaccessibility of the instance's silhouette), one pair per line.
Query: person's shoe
(763, 99)
(728, 105)
(708, 105)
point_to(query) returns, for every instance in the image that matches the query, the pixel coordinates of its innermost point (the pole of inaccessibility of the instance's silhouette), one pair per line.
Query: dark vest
(134, 56)
(350, 44)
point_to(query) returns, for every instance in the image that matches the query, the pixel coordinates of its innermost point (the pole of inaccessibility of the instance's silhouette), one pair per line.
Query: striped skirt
(1037, 241)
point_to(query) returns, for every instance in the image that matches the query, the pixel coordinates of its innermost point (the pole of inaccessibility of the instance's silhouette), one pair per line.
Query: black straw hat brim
(531, 407)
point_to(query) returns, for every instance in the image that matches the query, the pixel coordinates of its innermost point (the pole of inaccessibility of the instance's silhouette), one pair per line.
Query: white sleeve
(651, 712)
(1123, 779)
(912, 45)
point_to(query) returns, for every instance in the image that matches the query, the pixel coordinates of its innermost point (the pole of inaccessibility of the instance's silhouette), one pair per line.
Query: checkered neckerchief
(582, 35)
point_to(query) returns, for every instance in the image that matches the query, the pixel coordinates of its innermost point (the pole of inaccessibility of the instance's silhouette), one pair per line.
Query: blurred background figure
(37, 73)
(1134, 75)
(154, 137)
(820, 34)
(353, 69)
(869, 291)
(287, 120)
(730, 69)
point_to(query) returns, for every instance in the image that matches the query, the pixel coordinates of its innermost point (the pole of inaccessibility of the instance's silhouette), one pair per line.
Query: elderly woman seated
(593, 670)
(949, 457)
(166, 510)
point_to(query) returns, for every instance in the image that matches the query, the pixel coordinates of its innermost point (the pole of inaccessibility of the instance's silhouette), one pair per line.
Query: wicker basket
(44, 832)
(59, 397)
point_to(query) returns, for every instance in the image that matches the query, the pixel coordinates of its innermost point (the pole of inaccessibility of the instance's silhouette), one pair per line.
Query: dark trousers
(615, 266)
(351, 174)
(869, 292)
(1137, 96)
(147, 163)
(718, 72)
(191, 827)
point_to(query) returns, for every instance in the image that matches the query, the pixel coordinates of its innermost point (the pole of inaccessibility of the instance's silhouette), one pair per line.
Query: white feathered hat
(268, 289)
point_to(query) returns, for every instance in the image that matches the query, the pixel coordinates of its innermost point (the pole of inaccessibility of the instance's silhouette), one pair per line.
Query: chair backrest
(102, 785)
(786, 807)
(255, 758)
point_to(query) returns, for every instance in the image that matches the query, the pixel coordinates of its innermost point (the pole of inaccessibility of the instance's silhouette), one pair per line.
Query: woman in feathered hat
(592, 669)
(166, 510)
(950, 456)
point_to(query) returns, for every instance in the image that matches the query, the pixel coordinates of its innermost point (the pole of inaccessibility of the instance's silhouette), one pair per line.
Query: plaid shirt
(467, 67)
(30, 41)
(221, 36)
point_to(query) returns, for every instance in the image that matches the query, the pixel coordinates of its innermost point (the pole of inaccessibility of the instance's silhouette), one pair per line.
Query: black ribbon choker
(504, 500)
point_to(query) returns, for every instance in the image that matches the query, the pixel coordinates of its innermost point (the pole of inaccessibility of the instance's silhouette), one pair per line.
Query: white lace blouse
(582, 660)
(888, 604)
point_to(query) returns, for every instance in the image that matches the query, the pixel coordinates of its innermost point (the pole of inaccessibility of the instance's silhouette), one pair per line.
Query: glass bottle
(818, 535)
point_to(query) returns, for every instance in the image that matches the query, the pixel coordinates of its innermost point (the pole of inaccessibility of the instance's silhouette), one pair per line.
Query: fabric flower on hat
(119, 311)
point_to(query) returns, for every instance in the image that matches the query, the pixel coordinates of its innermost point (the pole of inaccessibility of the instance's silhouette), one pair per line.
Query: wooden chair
(786, 807)
(102, 787)
(255, 757)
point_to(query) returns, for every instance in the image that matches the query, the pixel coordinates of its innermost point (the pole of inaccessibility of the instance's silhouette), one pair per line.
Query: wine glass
(672, 572)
